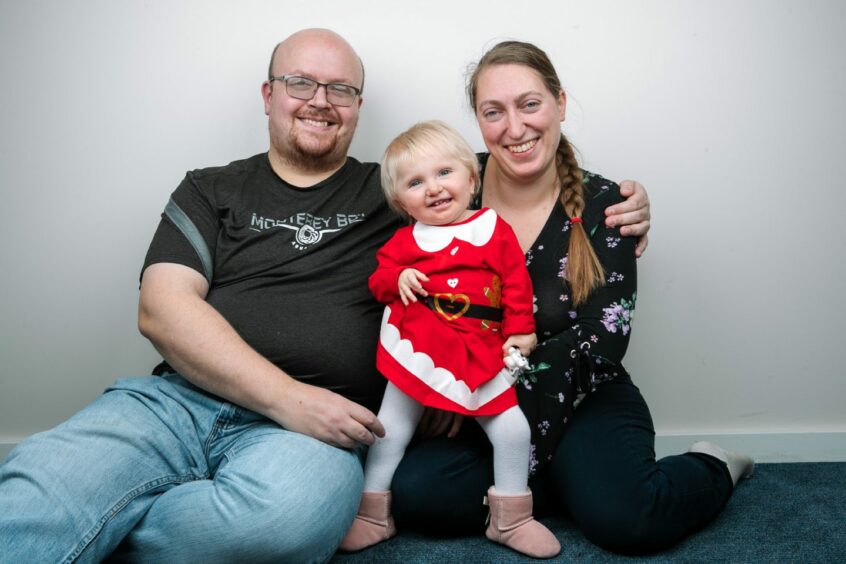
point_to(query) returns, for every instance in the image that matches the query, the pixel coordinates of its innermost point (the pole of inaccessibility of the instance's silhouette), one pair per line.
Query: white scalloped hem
(440, 380)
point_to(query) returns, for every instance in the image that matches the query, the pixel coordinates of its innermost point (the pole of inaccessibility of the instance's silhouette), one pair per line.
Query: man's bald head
(325, 37)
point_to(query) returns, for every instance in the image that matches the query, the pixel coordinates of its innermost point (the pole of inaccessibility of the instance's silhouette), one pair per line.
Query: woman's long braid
(584, 271)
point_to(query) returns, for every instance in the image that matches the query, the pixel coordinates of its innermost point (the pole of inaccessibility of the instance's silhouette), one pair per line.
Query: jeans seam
(123, 502)
(227, 417)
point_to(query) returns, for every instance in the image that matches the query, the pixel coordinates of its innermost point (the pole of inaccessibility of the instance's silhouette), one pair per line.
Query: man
(254, 291)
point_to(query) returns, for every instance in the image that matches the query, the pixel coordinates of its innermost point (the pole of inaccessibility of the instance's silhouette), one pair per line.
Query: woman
(595, 461)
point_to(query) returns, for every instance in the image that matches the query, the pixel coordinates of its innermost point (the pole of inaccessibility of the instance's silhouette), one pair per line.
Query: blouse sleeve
(588, 351)
(595, 344)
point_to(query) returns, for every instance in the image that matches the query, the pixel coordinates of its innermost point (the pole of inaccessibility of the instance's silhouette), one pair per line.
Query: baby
(456, 327)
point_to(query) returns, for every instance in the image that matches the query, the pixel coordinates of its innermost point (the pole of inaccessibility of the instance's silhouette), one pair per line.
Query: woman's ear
(562, 105)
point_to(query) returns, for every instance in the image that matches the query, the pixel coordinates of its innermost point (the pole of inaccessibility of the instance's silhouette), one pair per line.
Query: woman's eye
(532, 105)
(491, 115)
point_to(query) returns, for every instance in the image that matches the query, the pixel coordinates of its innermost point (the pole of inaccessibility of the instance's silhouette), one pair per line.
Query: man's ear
(266, 93)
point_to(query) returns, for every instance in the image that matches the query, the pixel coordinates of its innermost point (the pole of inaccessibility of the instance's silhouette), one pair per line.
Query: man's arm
(204, 348)
(632, 215)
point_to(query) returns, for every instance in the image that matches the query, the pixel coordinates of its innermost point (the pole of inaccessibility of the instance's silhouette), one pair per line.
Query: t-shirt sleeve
(188, 231)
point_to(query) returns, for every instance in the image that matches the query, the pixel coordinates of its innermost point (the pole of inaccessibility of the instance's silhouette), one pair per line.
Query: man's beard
(315, 159)
(310, 156)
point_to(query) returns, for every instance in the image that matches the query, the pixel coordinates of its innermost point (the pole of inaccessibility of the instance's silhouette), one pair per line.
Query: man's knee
(303, 516)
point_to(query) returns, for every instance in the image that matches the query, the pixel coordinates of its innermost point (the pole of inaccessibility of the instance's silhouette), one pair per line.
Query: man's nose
(319, 99)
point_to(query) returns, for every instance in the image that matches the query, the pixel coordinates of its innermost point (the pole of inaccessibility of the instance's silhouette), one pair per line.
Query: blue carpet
(785, 513)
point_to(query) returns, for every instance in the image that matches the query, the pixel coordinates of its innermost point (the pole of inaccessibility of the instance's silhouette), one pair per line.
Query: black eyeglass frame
(285, 77)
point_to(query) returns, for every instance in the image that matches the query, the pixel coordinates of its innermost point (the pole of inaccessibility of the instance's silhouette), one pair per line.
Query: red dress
(448, 354)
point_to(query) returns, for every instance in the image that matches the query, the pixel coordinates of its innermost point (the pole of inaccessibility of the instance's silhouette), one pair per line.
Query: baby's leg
(510, 436)
(511, 522)
(400, 415)
(373, 522)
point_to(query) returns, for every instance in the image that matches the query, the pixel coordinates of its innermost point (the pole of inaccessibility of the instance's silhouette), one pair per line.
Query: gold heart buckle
(452, 306)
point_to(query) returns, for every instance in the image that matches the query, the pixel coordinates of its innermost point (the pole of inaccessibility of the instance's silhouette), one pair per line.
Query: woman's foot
(739, 465)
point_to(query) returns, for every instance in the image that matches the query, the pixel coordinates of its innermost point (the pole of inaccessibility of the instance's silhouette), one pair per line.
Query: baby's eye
(414, 183)
(444, 171)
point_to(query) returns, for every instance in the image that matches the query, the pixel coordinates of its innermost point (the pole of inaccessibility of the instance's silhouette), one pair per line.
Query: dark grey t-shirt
(288, 266)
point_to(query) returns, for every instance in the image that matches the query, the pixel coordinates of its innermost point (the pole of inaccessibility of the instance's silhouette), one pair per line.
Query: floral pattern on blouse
(579, 347)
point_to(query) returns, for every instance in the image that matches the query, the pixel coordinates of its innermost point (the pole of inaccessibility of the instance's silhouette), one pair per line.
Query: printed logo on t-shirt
(309, 228)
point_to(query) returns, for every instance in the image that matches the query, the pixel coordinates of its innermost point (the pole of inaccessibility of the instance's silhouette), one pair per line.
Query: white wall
(731, 113)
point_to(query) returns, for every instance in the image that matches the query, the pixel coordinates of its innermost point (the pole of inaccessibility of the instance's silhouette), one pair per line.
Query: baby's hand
(410, 284)
(516, 363)
(525, 343)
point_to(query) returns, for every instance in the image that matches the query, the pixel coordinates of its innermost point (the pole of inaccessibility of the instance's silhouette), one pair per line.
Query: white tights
(508, 432)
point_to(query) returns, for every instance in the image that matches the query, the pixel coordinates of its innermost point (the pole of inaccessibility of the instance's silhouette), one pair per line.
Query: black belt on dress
(453, 306)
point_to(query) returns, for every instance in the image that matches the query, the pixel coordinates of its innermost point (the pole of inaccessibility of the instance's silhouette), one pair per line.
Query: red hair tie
(576, 220)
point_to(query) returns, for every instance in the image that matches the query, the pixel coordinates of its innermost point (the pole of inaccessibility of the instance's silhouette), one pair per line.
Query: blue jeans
(157, 470)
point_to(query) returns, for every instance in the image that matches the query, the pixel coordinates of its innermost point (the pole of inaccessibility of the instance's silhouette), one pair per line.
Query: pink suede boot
(373, 522)
(512, 524)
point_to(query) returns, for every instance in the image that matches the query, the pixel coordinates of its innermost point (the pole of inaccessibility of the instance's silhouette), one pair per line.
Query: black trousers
(603, 474)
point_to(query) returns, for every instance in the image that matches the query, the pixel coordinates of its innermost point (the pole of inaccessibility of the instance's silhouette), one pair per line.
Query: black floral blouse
(578, 348)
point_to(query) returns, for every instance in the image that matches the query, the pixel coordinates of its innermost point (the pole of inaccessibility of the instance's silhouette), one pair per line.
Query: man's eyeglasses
(304, 88)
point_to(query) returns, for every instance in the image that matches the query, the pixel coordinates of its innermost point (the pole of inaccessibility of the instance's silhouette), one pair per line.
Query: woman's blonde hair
(584, 271)
(424, 138)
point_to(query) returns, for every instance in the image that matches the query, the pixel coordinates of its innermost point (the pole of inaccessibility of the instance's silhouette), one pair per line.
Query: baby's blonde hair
(425, 138)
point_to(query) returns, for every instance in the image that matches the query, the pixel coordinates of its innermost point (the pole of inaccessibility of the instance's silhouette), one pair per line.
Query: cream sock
(739, 465)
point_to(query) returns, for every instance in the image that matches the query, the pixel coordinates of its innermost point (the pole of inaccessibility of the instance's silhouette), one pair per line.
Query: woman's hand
(631, 215)
(524, 343)
(410, 283)
(436, 421)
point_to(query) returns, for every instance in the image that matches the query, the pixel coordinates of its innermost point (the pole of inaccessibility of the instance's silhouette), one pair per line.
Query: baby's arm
(393, 262)
(410, 283)
(517, 302)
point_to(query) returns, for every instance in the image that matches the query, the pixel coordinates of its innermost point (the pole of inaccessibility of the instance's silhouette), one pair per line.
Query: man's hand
(410, 283)
(436, 421)
(632, 215)
(328, 417)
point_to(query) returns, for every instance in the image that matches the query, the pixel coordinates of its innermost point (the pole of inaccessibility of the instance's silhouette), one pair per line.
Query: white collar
(477, 231)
